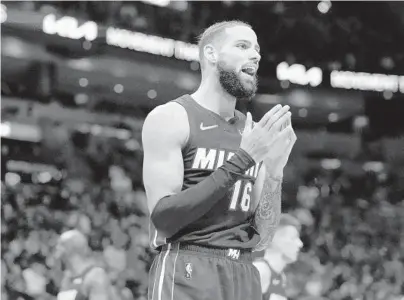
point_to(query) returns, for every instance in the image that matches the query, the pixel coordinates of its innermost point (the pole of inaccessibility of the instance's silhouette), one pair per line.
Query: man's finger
(248, 123)
(269, 114)
(281, 123)
(286, 123)
(279, 114)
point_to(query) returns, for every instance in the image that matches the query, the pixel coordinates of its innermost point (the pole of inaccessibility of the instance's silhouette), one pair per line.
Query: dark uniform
(211, 257)
(277, 286)
(73, 288)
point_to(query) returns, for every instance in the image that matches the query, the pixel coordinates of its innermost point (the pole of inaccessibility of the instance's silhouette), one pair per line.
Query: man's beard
(232, 84)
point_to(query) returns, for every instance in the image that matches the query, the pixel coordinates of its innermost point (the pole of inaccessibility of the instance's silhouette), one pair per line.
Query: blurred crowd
(353, 239)
(353, 235)
(33, 217)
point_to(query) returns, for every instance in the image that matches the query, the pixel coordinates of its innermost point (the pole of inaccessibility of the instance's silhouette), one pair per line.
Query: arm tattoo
(268, 212)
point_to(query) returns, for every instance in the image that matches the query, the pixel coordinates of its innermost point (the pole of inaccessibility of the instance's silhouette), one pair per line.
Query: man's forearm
(268, 211)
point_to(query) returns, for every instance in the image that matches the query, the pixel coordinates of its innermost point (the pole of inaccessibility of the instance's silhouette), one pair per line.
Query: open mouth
(249, 71)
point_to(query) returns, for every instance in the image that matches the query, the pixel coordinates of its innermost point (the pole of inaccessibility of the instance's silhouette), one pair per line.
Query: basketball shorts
(190, 272)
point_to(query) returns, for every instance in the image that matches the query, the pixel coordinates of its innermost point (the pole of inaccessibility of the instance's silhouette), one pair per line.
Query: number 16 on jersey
(241, 197)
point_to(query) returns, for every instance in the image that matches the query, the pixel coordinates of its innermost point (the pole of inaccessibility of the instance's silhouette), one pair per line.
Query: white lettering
(250, 171)
(246, 198)
(204, 160)
(257, 169)
(236, 194)
(234, 253)
(230, 155)
(220, 159)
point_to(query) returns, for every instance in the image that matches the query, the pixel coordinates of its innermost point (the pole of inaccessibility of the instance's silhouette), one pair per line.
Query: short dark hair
(210, 33)
(289, 220)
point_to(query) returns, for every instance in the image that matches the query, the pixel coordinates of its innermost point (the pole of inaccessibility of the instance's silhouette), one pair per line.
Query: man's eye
(242, 46)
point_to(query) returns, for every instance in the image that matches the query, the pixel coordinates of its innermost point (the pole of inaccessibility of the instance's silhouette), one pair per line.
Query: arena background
(78, 78)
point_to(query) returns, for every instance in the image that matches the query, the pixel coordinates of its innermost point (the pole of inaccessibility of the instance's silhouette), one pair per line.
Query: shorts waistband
(230, 253)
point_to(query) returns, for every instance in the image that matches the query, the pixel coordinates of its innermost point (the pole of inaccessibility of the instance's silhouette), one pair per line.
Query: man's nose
(255, 56)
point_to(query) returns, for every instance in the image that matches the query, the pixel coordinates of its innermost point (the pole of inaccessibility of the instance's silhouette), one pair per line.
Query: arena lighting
(324, 6)
(5, 129)
(161, 3)
(330, 163)
(83, 82)
(3, 13)
(118, 88)
(298, 74)
(367, 81)
(302, 112)
(106, 131)
(374, 166)
(141, 42)
(44, 177)
(152, 94)
(333, 117)
(68, 27)
(12, 179)
(21, 132)
(29, 167)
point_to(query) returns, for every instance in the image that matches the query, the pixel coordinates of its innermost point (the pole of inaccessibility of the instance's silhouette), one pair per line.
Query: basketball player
(283, 250)
(210, 201)
(83, 279)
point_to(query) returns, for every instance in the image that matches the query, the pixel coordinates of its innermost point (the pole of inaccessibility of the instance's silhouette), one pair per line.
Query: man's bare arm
(268, 211)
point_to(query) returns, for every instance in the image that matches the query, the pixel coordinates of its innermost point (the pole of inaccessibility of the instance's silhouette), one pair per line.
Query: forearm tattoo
(268, 211)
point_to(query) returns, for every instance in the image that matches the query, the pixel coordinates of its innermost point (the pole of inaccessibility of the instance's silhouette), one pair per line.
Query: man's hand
(258, 141)
(281, 151)
(268, 211)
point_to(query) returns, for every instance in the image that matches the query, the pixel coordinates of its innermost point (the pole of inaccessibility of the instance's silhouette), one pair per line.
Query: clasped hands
(270, 140)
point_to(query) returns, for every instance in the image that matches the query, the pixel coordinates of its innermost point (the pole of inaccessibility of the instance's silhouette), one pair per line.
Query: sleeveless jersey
(72, 288)
(277, 286)
(213, 140)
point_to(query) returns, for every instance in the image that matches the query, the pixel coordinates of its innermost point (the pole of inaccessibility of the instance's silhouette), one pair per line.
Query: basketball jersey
(213, 140)
(277, 286)
(72, 288)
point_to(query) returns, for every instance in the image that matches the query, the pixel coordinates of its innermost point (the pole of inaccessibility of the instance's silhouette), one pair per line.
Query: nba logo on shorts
(188, 270)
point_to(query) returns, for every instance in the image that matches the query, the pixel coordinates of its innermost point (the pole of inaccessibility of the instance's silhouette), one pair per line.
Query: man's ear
(210, 53)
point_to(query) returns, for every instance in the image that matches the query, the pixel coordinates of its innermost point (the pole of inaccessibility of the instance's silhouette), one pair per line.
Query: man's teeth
(249, 70)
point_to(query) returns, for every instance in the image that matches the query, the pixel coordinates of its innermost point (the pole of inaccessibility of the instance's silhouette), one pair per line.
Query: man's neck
(213, 97)
(276, 261)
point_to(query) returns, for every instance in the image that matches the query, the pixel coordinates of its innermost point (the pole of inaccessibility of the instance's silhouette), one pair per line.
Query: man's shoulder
(169, 120)
(169, 110)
